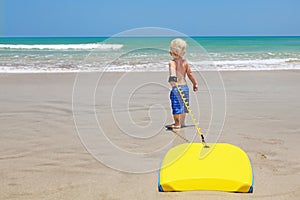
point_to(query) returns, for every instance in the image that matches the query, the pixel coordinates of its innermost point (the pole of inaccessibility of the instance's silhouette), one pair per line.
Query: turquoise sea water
(69, 54)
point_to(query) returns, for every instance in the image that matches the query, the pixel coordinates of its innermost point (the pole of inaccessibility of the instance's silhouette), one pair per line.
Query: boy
(178, 69)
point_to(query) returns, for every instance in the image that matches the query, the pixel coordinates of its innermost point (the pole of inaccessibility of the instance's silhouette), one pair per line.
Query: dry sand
(42, 157)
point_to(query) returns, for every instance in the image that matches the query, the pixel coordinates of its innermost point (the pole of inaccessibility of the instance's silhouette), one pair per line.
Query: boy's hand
(195, 88)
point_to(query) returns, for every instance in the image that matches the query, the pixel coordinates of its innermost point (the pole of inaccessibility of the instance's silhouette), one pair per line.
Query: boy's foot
(172, 126)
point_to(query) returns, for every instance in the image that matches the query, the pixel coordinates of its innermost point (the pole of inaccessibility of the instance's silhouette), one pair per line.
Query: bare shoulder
(172, 62)
(185, 64)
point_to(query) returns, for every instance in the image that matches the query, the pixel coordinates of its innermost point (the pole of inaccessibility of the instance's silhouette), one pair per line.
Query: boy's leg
(182, 119)
(176, 125)
(176, 119)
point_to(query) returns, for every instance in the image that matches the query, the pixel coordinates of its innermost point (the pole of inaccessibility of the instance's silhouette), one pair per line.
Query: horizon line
(106, 36)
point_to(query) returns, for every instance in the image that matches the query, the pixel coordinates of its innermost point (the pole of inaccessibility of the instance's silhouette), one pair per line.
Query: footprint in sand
(270, 141)
(273, 141)
(261, 156)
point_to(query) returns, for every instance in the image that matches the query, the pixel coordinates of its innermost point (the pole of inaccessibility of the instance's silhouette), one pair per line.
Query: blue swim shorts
(178, 106)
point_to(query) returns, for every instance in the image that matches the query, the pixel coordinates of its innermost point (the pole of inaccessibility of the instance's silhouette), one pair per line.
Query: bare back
(179, 68)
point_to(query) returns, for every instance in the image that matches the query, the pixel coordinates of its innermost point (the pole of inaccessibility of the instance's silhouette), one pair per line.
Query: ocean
(92, 54)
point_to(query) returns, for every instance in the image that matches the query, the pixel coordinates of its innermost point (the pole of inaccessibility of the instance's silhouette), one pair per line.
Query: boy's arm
(172, 68)
(191, 77)
(172, 71)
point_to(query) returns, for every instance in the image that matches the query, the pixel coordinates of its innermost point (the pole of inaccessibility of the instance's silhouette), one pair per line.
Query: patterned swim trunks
(178, 106)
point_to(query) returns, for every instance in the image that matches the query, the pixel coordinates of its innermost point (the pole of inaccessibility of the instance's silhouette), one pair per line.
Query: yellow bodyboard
(221, 167)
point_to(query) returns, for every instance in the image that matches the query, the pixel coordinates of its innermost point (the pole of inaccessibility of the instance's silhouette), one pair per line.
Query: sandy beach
(42, 155)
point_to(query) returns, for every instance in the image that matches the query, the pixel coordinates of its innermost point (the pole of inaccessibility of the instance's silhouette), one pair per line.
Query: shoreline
(76, 72)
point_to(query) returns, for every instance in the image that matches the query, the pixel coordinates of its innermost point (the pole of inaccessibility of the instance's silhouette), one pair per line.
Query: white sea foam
(53, 61)
(252, 62)
(154, 67)
(255, 64)
(62, 46)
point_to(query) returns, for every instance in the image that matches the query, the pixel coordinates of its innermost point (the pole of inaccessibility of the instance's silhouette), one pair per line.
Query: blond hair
(177, 47)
